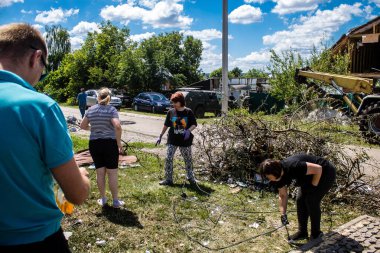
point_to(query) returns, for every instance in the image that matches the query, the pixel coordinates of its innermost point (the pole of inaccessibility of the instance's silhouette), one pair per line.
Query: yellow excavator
(360, 94)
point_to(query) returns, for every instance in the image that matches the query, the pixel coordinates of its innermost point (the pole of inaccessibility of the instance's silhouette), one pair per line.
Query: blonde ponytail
(104, 97)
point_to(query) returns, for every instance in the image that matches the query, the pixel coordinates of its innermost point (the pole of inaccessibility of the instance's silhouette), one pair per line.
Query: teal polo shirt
(33, 139)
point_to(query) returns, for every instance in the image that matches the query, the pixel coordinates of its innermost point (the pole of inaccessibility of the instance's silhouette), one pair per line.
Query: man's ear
(35, 58)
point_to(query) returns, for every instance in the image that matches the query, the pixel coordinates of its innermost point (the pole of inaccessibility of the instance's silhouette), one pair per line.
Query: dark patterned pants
(186, 154)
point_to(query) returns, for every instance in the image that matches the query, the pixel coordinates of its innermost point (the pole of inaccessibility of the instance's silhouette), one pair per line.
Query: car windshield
(157, 97)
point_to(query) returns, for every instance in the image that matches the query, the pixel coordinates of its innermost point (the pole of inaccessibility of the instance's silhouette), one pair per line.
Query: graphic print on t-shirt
(179, 124)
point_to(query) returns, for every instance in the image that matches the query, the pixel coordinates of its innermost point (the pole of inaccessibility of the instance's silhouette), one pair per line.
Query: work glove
(158, 142)
(284, 219)
(186, 134)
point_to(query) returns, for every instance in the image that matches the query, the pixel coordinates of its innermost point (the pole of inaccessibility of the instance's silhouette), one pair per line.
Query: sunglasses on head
(43, 60)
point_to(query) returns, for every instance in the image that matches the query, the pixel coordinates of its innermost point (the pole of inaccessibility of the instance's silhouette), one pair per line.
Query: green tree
(58, 43)
(283, 68)
(236, 72)
(255, 73)
(216, 73)
(109, 58)
(192, 55)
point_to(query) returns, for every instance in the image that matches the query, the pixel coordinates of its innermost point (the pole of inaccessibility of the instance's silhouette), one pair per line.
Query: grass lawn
(147, 222)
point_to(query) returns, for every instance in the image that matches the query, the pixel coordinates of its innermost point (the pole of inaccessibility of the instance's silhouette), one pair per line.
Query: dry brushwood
(232, 148)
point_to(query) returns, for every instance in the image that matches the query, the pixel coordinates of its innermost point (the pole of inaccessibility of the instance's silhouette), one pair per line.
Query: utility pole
(225, 59)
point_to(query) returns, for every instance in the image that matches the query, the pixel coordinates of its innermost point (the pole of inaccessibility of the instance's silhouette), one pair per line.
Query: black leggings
(56, 243)
(309, 202)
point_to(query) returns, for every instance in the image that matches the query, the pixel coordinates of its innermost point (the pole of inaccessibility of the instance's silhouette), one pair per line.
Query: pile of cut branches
(232, 148)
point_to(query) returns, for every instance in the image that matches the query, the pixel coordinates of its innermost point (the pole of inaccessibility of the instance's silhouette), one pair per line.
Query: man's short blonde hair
(17, 39)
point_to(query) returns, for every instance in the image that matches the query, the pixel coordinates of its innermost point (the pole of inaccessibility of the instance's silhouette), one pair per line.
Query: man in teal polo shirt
(35, 148)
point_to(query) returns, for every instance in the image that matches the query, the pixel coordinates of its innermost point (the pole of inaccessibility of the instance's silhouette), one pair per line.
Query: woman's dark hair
(271, 167)
(178, 97)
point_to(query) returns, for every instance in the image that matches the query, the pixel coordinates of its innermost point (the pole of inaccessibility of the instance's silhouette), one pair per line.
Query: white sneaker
(102, 201)
(118, 203)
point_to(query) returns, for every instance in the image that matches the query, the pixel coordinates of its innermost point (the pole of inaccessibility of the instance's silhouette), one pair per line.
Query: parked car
(92, 99)
(126, 99)
(202, 101)
(151, 101)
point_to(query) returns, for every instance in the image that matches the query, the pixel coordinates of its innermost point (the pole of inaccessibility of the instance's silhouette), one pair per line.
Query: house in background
(363, 44)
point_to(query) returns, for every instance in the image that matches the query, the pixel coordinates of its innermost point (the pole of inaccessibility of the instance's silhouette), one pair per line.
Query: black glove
(158, 142)
(284, 219)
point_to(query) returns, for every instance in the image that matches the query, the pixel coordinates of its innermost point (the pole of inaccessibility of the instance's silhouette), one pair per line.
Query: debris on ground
(83, 158)
(231, 149)
(67, 235)
(329, 115)
(100, 242)
(254, 225)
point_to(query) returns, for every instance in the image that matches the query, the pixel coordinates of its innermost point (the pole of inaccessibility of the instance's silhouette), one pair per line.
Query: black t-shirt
(295, 168)
(178, 121)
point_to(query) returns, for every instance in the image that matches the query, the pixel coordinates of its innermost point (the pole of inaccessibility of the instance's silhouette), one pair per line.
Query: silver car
(92, 99)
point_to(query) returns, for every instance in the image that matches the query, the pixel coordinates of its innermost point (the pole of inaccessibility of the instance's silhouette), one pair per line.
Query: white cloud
(83, 28)
(142, 36)
(255, 1)
(164, 14)
(26, 12)
(55, 16)
(148, 3)
(255, 59)
(312, 30)
(308, 32)
(245, 14)
(291, 6)
(80, 31)
(38, 26)
(368, 10)
(377, 2)
(206, 34)
(76, 42)
(5, 3)
(210, 59)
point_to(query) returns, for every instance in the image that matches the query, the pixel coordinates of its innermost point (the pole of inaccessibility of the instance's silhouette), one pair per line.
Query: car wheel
(200, 112)
(370, 123)
(136, 108)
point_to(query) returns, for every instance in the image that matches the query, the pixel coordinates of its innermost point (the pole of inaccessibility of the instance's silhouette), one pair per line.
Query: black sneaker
(166, 182)
(298, 236)
(193, 182)
(318, 238)
(313, 242)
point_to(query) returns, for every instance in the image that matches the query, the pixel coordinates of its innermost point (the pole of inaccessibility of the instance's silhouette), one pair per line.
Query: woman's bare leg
(101, 181)
(113, 183)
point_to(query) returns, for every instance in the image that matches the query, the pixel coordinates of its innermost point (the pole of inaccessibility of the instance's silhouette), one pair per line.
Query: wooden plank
(371, 38)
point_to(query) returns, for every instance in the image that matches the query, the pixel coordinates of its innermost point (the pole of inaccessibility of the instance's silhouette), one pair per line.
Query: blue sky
(255, 26)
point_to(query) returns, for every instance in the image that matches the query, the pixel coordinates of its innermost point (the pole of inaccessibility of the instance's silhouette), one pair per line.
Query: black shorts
(56, 243)
(105, 153)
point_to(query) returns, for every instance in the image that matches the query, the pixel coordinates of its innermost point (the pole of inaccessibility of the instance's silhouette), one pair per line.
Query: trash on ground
(67, 235)
(254, 225)
(205, 243)
(235, 190)
(241, 184)
(78, 222)
(328, 114)
(100, 242)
